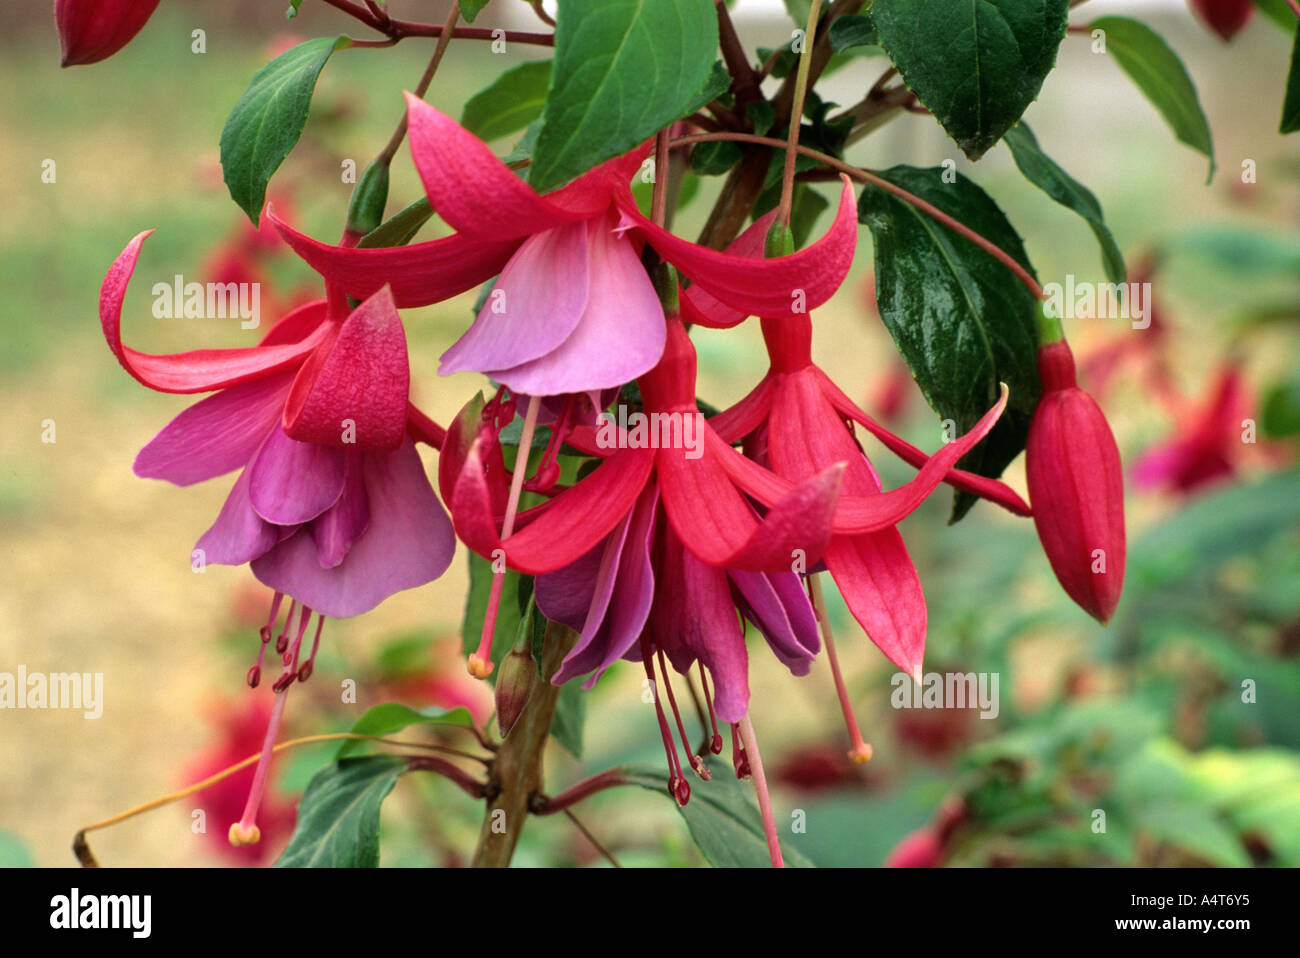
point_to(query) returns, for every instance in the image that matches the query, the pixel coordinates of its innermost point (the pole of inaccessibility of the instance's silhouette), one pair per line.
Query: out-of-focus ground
(95, 563)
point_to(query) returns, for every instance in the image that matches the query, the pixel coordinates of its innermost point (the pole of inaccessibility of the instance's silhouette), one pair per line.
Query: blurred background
(1181, 721)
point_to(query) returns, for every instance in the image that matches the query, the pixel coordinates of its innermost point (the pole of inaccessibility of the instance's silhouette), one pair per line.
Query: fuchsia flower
(1224, 17)
(798, 417)
(1208, 442)
(1076, 486)
(93, 30)
(573, 309)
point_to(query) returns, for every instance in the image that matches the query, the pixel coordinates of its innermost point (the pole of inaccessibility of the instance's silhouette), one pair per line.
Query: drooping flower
(93, 30)
(1224, 17)
(573, 310)
(1076, 486)
(1208, 443)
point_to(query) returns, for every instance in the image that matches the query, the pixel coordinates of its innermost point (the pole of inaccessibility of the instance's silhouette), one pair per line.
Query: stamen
(290, 658)
(245, 831)
(859, 751)
(716, 745)
(304, 673)
(480, 663)
(254, 676)
(739, 758)
(270, 621)
(282, 642)
(697, 763)
(764, 799)
(678, 787)
(548, 470)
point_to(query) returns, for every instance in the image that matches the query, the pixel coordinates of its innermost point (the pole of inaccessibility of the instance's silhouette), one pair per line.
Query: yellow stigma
(861, 754)
(239, 836)
(479, 667)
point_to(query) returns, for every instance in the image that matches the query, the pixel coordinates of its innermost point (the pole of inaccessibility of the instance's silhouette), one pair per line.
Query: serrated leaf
(510, 103)
(961, 319)
(1291, 104)
(721, 817)
(1160, 75)
(975, 64)
(390, 717)
(338, 817)
(624, 69)
(269, 118)
(1041, 170)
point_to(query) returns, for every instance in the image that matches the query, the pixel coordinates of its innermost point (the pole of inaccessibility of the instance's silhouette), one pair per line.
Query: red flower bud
(1076, 487)
(514, 685)
(1224, 17)
(93, 30)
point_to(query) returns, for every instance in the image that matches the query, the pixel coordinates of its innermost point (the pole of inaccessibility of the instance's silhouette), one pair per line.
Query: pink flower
(1207, 443)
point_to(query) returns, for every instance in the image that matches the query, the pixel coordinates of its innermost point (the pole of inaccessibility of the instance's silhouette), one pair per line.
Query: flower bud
(93, 30)
(1224, 17)
(1076, 487)
(514, 685)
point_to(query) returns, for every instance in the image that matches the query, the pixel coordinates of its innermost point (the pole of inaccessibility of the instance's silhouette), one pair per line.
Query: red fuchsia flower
(1076, 484)
(1208, 442)
(919, 849)
(93, 30)
(1224, 17)
(240, 725)
(332, 506)
(796, 420)
(573, 309)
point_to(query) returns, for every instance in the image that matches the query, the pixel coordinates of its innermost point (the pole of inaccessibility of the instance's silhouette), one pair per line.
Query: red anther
(701, 770)
(282, 643)
(284, 681)
(265, 633)
(683, 793)
(254, 676)
(548, 474)
(304, 671)
(506, 412)
(716, 745)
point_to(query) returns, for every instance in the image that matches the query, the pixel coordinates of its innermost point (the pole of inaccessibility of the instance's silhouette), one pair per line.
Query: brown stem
(516, 774)
(549, 805)
(398, 29)
(390, 150)
(430, 763)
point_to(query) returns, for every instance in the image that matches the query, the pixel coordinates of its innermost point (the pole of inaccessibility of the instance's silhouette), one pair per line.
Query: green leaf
(390, 717)
(624, 69)
(508, 611)
(1291, 104)
(961, 319)
(399, 229)
(1279, 415)
(712, 158)
(510, 103)
(718, 83)
(338, 817)
(570, 716)
(1043, 172)
(267, 121)
(721, 816)
(13, 853)
(976, 64)
(854, 31)
(469, 9)
(1162, 78)
(1280, 12)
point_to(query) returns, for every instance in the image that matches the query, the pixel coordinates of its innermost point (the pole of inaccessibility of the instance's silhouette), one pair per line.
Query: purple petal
(534, 305)
(215, 435)
(622, 597)
(293, 481)
(621, 333)
(343, 523)
(409, 542)
(777, 604)
(239, 535)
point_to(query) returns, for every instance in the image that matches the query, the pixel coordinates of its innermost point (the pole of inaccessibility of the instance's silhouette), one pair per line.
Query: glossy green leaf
(510, 103)
(722, 817)
(1160, 75)
(1291, 103)
(338, 817)
(624, 69)
(269, 118)
(962, 320)
(1041, 170)
(975, 64)
(854, 31)
(390, 717)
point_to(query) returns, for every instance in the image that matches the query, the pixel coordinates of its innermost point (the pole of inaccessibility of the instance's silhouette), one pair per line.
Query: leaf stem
(549, 805)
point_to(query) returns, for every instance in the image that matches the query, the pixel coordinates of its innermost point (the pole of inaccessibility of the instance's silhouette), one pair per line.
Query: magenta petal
(778, 605)
(622, 596)
(291, 481)
(533, 307)
(343, 523)
(566, 595)
(239, 535)
(215, 435)
(409, 542)
(620, 334)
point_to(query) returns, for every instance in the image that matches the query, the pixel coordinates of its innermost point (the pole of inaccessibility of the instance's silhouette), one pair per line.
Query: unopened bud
(514, 685)
(93, 30)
